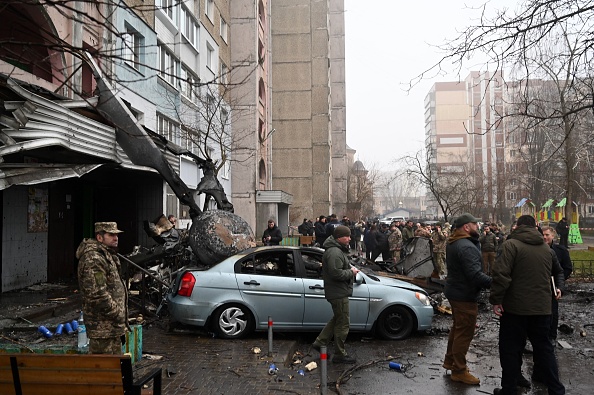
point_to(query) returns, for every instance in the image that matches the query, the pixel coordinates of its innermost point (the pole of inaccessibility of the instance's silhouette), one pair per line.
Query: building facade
(62, 168)
(465, 140)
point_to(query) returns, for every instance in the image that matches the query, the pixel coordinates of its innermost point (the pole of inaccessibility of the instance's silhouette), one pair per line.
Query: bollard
(269, 336)
(323, 370)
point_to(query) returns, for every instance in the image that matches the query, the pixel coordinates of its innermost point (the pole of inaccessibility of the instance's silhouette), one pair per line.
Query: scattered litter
(583, 333)
(152, 357)
(397, 366)
(420, 354)
(564, 344)
(272, 369)
(311, 366)
(297, 362)
(170, 371)
(301, 372)
(444, 309)
(256, 350)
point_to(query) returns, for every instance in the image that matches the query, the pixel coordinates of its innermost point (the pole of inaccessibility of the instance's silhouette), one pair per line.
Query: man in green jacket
(521, 295)
(338, 278)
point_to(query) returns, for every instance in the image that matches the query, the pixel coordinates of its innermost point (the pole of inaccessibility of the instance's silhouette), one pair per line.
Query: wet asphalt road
(206, 365)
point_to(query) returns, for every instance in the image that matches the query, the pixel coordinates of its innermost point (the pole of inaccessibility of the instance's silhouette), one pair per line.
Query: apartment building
(465, 140)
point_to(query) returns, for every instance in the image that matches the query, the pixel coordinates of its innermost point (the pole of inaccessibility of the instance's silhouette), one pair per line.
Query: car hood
(374, 278)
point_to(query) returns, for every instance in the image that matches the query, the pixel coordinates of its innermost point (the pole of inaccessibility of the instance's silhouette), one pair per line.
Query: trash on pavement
(583, 333)
(564, 344)
(311, 366)
(444, 309)
(301, 372)
(152, 357)
(272, 369)
(397, 366)
(256, 350)
(420, 354)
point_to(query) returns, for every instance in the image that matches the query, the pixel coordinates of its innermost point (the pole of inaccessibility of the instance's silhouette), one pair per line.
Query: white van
(389, 220)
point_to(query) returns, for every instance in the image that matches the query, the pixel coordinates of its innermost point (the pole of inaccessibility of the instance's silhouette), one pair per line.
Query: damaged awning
(72, 144)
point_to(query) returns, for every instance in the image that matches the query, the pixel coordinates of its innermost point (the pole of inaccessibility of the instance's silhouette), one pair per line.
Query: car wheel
(395, 323)
(233, 321)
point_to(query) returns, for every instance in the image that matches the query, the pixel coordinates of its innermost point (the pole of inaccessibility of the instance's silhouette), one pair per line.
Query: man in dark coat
(320, 230)
(272, 235)
(565, 261)
(562, 229)
(305, 228)
(338, 286)
(521, 295)
(464, 283)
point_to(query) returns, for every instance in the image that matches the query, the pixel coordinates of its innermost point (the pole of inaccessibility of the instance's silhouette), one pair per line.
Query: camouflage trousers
(439, 258)
(110, 345)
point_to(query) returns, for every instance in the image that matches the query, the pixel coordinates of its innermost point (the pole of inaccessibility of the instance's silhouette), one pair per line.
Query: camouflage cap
(109, 227)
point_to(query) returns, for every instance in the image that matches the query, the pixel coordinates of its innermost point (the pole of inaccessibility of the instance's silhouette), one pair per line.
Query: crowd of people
(524, 269)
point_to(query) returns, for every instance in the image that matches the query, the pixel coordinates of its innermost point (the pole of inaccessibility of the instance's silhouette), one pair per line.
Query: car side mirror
(359, 278)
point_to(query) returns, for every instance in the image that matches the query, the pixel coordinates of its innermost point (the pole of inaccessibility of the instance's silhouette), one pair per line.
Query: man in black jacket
(562, 229)
(562, 254)
(272, 235)
(521, 295)
(464, 283)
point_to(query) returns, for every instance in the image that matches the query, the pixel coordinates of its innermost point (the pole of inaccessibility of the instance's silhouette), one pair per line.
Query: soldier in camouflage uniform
(105, 298)
(395, 242)
(439, 238)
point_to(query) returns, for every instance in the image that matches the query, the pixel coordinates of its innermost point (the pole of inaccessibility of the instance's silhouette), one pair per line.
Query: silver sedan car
(237, 295)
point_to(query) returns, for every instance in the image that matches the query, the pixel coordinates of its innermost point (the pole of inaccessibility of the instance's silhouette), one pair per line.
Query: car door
(317, 309)
(268, 283)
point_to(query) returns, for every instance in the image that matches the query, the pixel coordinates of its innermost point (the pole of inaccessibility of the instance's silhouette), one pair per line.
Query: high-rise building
(289, 58)
(465, 141)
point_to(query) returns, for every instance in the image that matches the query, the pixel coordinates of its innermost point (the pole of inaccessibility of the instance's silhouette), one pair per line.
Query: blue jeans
(513, 332)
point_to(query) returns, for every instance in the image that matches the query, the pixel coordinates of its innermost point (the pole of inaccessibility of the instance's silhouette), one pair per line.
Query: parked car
(237, 295)
(389, 220)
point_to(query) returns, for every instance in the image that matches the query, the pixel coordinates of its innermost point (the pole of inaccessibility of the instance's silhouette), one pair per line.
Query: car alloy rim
(231, 321)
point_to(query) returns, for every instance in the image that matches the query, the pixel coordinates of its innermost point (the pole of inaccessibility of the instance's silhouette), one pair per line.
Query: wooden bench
(72, 374)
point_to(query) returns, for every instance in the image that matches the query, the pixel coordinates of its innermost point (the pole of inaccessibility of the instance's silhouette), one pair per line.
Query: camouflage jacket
(395, 240)
(439, 241)
(105, 298)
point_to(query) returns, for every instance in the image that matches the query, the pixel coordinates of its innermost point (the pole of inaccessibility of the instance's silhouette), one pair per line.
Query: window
(270, 263)
(211, 105)
(168, 65)
(224, 72)
(210, 9)
(209, 56)
(189, 27)
(169, 7)
(188, 82)
(590, 209)
(223, 30)
(131, 48)
(512, 196)
(168, 129)
(190, 139)
(313, 264)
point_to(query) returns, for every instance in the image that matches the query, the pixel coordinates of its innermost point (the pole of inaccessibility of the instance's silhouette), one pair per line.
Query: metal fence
(583, 268)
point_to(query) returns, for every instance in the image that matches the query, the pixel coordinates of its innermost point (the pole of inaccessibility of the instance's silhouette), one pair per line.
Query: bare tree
(452, 187)
(514, 39)
(361, 183)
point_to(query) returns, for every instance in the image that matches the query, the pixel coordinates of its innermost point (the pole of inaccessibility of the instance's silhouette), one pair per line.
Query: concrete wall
(301, 105)
(24, 255)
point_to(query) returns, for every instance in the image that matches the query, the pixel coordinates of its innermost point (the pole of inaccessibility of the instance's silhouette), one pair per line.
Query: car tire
(233, 321)
(395, 323)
